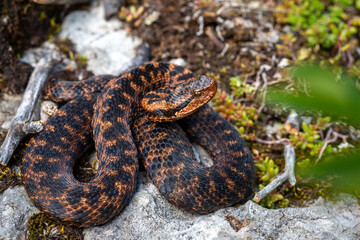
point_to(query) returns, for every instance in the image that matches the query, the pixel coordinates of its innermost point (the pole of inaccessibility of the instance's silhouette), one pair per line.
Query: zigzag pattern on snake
(167, 93)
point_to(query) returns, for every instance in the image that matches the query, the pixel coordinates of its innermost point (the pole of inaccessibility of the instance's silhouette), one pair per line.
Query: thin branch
(331, 137)
(264, 91)
(275, 82)
(226, 47)
(26, 108)
(327, 141)
(201, 26)
(339, 135)
(284, 141)
(213, 38)
(287, 174)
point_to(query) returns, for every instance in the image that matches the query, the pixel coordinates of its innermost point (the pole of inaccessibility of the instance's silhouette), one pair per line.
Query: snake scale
(126, 116)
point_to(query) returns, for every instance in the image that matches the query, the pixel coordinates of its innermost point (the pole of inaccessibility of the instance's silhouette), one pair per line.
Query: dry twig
(201, 26)
(287, 174)
(284, 141)
(26, 108)
(213, 38)
(331, 137)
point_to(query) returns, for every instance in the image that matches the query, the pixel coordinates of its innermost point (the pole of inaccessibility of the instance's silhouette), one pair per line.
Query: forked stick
(287, 174)
(26, 108)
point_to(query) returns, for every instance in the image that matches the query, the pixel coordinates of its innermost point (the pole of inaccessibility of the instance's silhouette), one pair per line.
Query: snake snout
(185, 99)
(203, 91)
(204, 82)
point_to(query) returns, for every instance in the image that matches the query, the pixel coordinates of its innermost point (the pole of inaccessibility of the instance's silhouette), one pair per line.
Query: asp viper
(107, 109)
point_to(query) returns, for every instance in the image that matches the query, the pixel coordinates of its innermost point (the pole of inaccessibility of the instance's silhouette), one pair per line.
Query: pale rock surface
(108, 47)
(8, 107)
(15, 210)
(150, 216)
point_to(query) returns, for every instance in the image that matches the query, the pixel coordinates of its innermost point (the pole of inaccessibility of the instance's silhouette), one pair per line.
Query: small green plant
(309, 139)
(241, 116)
(55, 28)
(239, 88)
(133, 14)
(334, 94)
(267, 170)
(81, 61)
(304, 163)
(305, 14)
(324, 23)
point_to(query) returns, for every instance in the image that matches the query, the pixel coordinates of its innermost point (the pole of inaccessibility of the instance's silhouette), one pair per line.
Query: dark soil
(23, 25)
(176, 35)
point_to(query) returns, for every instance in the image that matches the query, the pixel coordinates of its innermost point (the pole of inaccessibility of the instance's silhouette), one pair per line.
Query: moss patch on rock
(40, 226)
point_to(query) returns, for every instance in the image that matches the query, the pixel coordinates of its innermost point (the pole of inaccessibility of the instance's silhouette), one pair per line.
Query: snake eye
(197, 93)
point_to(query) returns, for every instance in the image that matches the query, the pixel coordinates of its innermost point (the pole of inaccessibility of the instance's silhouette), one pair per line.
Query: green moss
(40, 226)
(67, 47)
(81, 61)
(8, 178)
(54, 28)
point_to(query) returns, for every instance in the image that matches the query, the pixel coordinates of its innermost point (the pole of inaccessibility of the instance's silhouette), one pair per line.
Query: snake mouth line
(197, 102)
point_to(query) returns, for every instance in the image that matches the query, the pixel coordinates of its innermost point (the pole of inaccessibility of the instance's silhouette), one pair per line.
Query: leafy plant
(344, 171)
(239, 87)
(326, 24)
(308, 139)
(241, 116)
(267, 170)
(320, 90)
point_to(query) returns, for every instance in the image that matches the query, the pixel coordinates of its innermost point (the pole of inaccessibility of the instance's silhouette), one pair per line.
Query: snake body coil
(167, 93)
(166, 152)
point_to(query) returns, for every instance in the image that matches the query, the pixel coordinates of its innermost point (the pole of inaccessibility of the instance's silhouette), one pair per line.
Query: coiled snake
(167, 92)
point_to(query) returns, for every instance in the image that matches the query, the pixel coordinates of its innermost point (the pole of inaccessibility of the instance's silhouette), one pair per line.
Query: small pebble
(284, 62)
(178, 61)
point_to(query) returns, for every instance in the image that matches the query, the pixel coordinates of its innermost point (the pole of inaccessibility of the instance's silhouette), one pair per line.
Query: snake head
(180, 101)
(203, 90)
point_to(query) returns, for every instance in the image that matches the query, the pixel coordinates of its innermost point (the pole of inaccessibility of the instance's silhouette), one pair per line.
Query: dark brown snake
(122, 134)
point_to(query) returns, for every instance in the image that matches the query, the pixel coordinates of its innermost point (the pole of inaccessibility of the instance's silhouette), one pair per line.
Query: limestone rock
(150, 216)
(108, 48)
(15, 210)
(8, 107)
